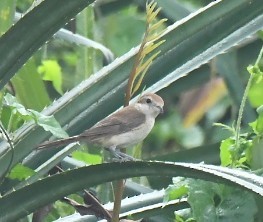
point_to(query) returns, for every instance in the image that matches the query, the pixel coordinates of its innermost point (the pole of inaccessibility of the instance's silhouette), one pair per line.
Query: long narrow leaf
(30, 198)
(189, 43)
(24, 38)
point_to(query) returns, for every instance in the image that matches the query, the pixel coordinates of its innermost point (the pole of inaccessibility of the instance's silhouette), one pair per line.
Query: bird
(124, 128)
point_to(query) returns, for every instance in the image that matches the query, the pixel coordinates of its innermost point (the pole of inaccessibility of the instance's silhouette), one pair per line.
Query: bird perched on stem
(127, 127)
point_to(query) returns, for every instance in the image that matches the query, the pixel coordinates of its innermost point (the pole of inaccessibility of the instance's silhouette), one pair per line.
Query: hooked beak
(160, 108)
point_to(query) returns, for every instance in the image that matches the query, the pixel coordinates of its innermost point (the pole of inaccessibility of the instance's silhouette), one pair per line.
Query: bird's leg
(120, 156)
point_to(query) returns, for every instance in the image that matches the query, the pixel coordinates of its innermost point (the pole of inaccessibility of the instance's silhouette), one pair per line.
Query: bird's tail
(58, 143)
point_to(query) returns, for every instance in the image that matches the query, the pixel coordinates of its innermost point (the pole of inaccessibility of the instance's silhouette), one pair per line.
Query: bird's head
(151, 104)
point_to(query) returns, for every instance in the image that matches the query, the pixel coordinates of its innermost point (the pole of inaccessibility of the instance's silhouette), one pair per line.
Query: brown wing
(124, 120)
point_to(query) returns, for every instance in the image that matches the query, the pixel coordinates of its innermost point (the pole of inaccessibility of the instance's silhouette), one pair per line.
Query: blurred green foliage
(59, 66)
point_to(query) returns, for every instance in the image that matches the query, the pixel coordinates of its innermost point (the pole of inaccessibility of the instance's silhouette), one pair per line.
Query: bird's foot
(120, 156)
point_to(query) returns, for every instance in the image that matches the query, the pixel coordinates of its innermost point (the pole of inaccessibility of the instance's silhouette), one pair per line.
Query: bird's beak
(161, 109)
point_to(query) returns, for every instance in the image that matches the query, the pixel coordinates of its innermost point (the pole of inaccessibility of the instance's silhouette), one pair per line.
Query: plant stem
(118, 192)
(259, 57)
(135, 65)
(241, 110)
(243, 102)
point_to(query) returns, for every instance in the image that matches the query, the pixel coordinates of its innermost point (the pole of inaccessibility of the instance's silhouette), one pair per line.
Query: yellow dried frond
(153, 57)
(143, 66)
(153, 31)
(157, 25)
(138, 84)
(149, 43)
(150, 7)
(147, 49)
(141, 71)
(150, 47)
(155, 37)
(153, 15)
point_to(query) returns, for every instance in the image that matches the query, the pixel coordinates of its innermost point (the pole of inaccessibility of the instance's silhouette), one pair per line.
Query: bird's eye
(148, 100)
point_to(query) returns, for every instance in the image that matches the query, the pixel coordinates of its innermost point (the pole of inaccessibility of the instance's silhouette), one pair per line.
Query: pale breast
(131, 138)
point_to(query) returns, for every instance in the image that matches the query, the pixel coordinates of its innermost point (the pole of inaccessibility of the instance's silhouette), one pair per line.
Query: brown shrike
(127, 127)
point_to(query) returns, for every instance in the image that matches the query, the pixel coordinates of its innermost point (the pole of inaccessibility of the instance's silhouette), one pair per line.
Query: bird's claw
(120, 156)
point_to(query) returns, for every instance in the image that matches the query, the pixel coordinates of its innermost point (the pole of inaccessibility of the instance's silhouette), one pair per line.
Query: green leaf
(175, 193)
(39, 194)
(51, 71)
(260, 110)
(86, 157)
(49, 123)
(33, 94)
(255, 70)
(235, 156)
(257, 125)
(182, 42)
(21, 172)
(178, 218)
(16, 107)
(220, 203)
(17, 52)
(178, 190)
(256, 91)
(234, 208)
(225, 155)
(243, 154)
(201, 201)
